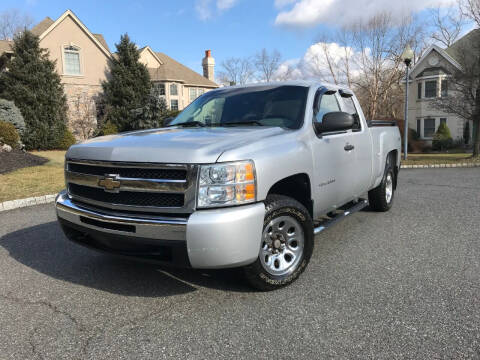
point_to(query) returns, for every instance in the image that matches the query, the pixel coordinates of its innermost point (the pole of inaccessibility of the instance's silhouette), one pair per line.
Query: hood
(171, 145)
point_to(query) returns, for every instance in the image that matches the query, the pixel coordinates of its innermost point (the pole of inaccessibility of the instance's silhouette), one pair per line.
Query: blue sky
(183, 29)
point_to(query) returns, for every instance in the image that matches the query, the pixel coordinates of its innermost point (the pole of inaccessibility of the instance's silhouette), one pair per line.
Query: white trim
(441, 52)
(80, 24)
(80, 60)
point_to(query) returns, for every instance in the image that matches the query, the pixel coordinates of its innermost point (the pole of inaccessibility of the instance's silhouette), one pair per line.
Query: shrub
(9, 135)
(66, 140)
(109, 129)
(11, 114)
(442, 140)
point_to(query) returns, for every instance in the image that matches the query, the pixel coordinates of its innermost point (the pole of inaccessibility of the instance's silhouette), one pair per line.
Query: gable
(149, 58)
(434, 57)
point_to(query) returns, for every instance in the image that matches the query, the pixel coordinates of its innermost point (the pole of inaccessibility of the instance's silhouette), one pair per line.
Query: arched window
(173, 89)
(71, 56)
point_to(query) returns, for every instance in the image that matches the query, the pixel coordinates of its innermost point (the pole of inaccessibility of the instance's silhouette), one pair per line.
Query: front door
(332, 163)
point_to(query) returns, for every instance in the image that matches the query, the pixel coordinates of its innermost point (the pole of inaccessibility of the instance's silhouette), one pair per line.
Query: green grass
(427, 159)
(36, 180)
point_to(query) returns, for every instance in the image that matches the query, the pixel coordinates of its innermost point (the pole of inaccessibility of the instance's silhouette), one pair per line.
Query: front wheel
(287, 244)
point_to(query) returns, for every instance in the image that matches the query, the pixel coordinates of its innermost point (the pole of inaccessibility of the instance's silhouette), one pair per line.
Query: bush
(66, 140)
(442, 140)
(108, 129)
(9, 135)
(11, 114)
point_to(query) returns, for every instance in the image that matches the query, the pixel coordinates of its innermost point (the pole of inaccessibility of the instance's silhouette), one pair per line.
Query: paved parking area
(405, 284)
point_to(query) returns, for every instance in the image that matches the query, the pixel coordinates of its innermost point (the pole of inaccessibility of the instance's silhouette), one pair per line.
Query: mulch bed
(17, 159)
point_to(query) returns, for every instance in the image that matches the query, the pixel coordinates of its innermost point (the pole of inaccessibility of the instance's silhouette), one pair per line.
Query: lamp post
(407, 57)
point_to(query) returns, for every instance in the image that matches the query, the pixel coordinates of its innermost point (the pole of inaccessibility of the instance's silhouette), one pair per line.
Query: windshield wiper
(246, 122)
(189, 124)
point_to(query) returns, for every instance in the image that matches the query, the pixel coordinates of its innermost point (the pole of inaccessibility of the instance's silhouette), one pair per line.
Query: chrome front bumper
(217, 238)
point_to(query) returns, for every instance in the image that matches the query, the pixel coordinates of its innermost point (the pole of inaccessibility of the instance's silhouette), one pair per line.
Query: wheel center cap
(276, 244)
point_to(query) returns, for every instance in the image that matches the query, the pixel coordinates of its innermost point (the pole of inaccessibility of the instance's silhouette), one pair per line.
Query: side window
(328, 103)
(349, 106)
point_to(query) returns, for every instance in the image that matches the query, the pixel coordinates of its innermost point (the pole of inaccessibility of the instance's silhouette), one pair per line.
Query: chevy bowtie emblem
(109, 183)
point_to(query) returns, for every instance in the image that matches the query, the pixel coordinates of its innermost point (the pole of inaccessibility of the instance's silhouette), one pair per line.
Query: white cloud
(314, 65)
(206, 9)
(308, 13)
(225, 4)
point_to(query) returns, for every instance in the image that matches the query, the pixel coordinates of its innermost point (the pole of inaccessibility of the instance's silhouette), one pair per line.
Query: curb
(31, 201)
(431, 166)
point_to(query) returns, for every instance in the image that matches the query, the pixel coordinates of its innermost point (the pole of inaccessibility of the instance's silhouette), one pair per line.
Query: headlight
(226, 184)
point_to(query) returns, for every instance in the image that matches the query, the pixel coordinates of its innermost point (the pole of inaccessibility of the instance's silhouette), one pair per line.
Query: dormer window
(71, 56)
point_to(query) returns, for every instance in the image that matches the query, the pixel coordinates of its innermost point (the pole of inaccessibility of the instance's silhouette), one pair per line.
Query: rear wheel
(381, 198)
(287, 244)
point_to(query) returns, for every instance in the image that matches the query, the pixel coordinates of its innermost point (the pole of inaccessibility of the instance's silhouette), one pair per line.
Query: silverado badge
(109, 183)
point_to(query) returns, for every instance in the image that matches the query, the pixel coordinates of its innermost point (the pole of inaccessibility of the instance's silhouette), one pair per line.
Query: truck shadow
(45, 249)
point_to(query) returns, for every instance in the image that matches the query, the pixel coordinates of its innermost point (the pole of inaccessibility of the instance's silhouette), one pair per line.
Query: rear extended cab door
(359, 140)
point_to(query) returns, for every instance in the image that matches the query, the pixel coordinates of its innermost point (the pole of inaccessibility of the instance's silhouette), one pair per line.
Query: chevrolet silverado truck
(244, 177)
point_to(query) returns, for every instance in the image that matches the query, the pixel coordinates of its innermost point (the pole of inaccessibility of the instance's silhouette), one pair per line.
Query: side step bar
(348, 210)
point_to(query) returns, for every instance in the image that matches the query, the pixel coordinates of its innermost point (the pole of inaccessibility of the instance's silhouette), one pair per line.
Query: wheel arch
(298, 187)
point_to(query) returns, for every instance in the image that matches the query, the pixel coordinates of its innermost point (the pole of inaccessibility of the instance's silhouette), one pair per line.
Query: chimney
(208, 64)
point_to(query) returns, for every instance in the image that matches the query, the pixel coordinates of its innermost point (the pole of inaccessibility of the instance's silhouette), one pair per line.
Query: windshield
(269, 105)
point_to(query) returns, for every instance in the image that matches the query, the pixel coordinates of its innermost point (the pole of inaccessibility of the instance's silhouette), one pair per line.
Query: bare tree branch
(267, 64)
(12, 22)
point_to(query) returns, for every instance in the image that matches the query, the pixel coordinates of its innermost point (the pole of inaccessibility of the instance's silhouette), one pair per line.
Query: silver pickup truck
(244, 177)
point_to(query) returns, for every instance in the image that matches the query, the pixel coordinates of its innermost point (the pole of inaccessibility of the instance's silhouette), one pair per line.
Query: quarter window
(173, 104)
(71, 55)
(430, 89)
(428, 128)
(173, 89)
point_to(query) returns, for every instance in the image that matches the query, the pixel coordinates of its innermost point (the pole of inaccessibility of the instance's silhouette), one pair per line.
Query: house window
(200, 92)
(419, 90)
(173, 104)
(443, 121)
(71, 55)
(173, 89)
(444, 88)
(428, 128)
(419, 126)
(160, 87)
(431, 89)
(193, 94)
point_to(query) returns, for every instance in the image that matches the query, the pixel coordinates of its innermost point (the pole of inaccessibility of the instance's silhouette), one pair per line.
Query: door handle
(349, 147)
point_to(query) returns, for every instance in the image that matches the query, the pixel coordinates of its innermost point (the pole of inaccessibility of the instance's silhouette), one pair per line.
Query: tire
(287, 244)
(381, 198)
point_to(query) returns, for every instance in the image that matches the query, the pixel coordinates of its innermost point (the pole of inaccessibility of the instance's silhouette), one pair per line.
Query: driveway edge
(434, 166)
(31, 201)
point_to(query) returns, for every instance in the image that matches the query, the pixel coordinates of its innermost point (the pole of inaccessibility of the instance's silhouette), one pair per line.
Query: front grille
(133, 198)
(129, 172)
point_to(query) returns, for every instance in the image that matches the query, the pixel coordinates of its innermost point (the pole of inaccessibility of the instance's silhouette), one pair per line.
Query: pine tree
(32, 83)
(152, 114)
(128, 87)
(442, 139)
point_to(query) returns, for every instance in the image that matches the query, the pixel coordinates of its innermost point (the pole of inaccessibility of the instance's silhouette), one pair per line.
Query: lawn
(35, 180)
(425, 159)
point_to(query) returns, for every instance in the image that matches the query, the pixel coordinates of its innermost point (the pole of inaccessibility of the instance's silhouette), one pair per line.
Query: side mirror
(335, 121)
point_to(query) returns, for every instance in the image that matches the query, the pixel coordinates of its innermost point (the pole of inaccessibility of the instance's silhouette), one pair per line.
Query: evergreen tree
(32, 83)
(442, 139)
(128, 87)
(152, 114)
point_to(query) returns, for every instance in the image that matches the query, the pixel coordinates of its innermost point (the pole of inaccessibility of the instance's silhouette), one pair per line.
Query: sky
(184, 29)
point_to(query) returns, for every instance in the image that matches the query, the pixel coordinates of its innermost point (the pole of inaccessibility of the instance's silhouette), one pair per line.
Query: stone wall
(82, 109)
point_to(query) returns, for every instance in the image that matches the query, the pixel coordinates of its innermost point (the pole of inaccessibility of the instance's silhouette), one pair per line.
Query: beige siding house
(82, 59)
(429, 80)
(179, 84)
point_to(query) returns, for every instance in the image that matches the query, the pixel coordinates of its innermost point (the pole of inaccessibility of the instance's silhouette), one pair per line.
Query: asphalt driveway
(403, 284)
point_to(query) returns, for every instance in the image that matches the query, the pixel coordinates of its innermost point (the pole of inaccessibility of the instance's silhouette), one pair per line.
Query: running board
(325, 224)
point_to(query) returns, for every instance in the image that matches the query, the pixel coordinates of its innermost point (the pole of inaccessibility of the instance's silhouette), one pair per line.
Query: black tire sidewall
(277, 206)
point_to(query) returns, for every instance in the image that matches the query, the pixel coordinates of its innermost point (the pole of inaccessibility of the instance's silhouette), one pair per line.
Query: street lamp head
(407, 55)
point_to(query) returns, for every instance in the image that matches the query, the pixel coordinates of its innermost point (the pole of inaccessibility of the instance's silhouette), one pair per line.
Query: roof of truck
(306, 83)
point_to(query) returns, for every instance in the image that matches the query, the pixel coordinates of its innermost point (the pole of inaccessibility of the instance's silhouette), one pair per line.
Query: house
(428, 80)
(82, 61)
(179, 84)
